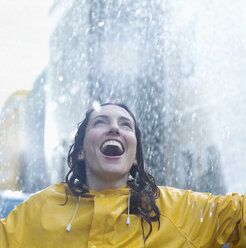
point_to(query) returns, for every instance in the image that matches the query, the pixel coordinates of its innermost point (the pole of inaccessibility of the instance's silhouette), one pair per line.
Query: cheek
(133, 144)
(89, 142)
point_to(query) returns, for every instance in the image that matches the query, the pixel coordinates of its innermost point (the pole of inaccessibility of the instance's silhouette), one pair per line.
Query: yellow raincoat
(187, 219)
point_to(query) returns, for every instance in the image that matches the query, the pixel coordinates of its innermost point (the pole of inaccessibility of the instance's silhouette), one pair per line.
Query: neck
(99, 183)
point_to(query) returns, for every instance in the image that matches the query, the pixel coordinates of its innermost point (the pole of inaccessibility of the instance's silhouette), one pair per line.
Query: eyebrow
(122, 118)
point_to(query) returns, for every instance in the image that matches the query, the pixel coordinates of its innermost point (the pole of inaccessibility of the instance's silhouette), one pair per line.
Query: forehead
(111, 111)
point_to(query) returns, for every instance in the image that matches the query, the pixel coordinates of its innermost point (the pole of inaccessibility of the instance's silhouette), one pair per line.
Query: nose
(114, 128)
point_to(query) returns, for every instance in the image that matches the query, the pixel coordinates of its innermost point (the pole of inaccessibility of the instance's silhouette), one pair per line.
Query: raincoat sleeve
(206, 220)
(14, 227)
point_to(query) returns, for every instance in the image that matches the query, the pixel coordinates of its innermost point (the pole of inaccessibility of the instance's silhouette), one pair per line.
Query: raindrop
(193, 203)
(74, 90)
(201, 215)
(218, 227)
(211, 209)
(62, 99)
(138, 11)
(193, 117)
(100, 24)
(235, 201)
(96, 106)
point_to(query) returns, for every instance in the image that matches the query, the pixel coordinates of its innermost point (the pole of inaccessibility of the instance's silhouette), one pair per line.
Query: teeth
(112, 143)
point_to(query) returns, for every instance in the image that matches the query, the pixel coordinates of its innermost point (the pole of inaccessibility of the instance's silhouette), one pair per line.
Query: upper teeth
(112, 143)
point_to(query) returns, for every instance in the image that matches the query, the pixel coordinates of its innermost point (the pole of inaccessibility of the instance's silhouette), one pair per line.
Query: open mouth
(112, 148)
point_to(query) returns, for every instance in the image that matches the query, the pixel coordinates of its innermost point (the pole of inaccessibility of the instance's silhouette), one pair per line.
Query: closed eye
(127, 124)
(98, 122)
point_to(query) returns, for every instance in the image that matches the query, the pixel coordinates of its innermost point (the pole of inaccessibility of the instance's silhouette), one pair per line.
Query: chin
(114, 172)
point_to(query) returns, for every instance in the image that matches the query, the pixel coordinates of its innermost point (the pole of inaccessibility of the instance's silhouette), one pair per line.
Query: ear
(81, 155)
(135, 163)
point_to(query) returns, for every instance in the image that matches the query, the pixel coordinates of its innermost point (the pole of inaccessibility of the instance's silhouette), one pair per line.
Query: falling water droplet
(201, 215)
(193, 203)
(235, 201)
(211, 209)
(100, 24)
(218, 227)
(96, 106)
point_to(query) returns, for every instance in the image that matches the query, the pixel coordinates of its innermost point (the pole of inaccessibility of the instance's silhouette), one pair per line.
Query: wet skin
(114, 124)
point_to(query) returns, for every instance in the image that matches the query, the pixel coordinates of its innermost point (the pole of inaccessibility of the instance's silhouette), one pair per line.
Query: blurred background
(179, 65)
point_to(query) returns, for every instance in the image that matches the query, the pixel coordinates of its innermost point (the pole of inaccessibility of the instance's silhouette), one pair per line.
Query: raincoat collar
(124, 190)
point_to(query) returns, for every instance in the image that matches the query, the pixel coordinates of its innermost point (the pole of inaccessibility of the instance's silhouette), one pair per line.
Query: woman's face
(109, 145)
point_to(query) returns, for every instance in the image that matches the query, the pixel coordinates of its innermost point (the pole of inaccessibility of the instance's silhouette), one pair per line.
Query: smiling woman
(96, 164)
(109, 147)
(109, 200)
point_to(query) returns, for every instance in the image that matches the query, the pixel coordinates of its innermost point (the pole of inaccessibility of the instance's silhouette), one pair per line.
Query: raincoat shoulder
(18, 228)
(203, 219)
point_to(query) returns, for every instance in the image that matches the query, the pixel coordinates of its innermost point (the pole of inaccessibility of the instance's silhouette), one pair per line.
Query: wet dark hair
(144, 190)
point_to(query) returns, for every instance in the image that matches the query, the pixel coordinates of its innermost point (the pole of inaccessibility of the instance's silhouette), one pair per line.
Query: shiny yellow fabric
(188, 219)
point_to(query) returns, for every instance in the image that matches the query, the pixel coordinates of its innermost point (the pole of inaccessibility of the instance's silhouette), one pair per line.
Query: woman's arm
(205, 219)
(14, 227)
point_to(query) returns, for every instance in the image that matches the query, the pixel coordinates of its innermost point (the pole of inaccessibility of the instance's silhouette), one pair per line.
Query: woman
(109, 200)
